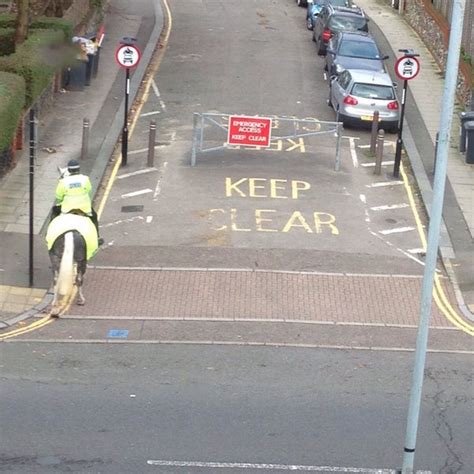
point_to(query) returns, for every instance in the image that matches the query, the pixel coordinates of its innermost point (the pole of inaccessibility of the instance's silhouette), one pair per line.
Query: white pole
(447, 109)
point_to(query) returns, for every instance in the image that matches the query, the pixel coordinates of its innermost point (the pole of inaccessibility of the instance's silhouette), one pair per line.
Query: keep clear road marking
(272, 467)
(389, 207)
(397, 230)
(384, 183)
(135, 173)
(136, 193)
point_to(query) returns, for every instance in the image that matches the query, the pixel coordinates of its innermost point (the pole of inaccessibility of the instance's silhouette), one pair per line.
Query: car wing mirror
(332, 78)
(385, 57)
(395, 85)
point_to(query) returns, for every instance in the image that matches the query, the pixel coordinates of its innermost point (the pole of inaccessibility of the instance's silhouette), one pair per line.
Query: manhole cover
(132, 208)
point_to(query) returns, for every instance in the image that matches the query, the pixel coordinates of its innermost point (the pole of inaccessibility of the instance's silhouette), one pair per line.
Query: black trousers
(56, 210)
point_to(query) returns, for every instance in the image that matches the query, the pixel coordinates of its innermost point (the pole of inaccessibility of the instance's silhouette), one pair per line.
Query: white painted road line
(384, 183)
(384, 163)
(271, 467)
(352, 148)
(149, 219)
(386, 143)
(388, 207)
(136, 193)
(363, 198)
(157, 93)
(158, 182)
(135, 173)
(397, 230)
(417, 251)
(121, 221)
(147, 114)
(141, 150)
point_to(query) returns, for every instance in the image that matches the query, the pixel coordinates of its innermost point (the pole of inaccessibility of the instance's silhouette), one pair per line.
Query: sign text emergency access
(250, 131)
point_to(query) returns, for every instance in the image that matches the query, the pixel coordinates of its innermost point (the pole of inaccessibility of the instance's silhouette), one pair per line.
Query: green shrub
(12, 101)
(7, 20)
(7, 41)
(35, 61)
(52, 23)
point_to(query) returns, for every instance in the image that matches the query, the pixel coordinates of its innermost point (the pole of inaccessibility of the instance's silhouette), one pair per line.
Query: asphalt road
(112, 408)
(287, 201)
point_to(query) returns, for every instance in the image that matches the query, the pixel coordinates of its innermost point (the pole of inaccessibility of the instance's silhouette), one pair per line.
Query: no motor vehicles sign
(249, 131)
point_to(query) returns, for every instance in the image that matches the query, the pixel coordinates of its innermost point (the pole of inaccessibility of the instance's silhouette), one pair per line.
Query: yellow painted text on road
(267, 220)
(265, 188)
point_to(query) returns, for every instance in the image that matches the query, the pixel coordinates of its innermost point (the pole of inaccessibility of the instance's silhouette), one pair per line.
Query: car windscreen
(347, 23)
(372, 91)
(359, 49)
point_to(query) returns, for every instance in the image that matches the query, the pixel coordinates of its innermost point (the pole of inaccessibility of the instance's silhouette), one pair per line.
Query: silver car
(356, 94)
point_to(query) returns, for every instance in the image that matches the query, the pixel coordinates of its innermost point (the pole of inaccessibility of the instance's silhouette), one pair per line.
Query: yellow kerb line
(438, 293)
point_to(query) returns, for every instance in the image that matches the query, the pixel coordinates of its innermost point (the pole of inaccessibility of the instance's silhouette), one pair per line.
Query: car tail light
(326, 35)
(392, 105)
(349, 100)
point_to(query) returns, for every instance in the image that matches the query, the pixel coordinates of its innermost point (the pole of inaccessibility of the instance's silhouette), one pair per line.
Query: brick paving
(251, 295)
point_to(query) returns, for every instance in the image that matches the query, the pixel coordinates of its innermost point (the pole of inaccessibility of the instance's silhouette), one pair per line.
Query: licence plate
(369, 118)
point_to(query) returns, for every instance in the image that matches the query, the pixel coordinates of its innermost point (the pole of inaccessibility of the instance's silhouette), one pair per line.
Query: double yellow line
(439, 295)
(32, 327)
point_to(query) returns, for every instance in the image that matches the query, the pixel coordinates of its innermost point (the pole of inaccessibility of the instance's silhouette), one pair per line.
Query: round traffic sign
(127, 55)
(407, 67)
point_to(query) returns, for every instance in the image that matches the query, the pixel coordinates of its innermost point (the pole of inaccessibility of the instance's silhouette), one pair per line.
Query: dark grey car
(354, 50)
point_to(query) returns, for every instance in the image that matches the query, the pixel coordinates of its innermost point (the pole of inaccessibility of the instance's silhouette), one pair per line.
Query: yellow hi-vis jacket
(66, 222)
(74, 192)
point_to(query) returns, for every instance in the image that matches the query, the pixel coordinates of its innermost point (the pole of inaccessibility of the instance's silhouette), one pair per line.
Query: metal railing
(290, 126)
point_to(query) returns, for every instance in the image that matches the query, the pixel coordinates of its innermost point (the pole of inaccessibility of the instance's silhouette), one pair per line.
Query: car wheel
(314, 38)
(329, 101)
(309, 25)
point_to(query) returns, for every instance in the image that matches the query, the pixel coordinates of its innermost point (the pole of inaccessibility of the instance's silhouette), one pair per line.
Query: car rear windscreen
(347, 23)
(359, 49)
(372, 91)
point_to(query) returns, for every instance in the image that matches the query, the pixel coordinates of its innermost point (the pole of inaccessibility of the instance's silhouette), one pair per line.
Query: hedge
(12, 101)
(31, 62)
(7, 20)
(7, 41)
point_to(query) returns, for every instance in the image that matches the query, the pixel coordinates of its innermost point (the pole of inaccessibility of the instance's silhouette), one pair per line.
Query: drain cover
(132, 208)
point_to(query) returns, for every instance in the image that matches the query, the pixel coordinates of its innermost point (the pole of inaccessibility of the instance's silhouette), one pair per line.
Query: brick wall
(433, 29)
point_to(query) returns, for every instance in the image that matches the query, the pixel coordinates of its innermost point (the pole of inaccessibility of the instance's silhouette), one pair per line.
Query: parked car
(356, 94)
(353, 50)
(315, 6)
(333, 19)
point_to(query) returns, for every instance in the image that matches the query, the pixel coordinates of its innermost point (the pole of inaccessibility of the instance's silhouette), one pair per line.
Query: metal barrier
(299, 128)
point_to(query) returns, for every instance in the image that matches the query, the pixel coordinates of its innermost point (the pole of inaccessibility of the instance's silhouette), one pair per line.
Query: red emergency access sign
(249, 131)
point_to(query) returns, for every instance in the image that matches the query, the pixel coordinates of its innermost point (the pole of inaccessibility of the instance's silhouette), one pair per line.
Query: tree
(22, 21)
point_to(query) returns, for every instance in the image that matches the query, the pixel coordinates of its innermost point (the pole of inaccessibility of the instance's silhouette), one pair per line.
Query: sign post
(127, 56)
(407, 67)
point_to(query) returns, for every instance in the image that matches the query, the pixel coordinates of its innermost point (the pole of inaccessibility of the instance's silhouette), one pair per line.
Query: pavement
(103, 104)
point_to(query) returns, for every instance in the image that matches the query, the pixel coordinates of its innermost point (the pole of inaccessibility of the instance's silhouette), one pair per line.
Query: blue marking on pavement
(121, 333)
